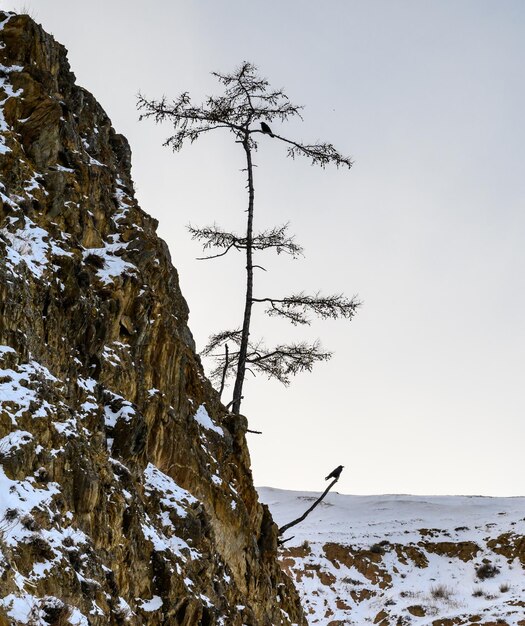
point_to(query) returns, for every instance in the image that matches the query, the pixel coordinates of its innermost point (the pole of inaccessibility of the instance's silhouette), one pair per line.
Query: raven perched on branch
(266, 129)
(336, 473)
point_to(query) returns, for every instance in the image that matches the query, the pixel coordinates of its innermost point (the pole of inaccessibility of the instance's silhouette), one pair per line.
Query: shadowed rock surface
(126, 490)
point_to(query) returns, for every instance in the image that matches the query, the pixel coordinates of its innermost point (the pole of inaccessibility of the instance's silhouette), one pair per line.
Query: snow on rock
(117, 408)
(7, 88)
(19, 498)
(166, 497)
(77, 618)
(19, 390)
(88, 385)
(392, 559)
(170, 494)
(14, 441)
(167, 542)
(19, 608)
(203, 419)
(153, 604)
(110, 260)
(124, 202)
(30, 245)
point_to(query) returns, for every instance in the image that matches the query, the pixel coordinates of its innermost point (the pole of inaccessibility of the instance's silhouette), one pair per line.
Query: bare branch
(219, 339)
(321, 154)
(246, 99)
(285, 361)
(296, 308)
(188, 121)
(214, 256)
(276, 238)
(214, 237)
(232, 401)
(306, 513)
(283, 541)
(225, 369)
(281, 362)
(226, 362)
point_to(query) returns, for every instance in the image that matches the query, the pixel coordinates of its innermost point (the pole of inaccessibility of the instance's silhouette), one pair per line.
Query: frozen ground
(397, 559)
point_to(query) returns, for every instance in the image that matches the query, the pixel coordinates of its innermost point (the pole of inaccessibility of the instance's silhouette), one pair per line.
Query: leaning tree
(245, 108)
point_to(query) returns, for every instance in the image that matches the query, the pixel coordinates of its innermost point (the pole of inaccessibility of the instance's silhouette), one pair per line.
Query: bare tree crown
(244, 109)
(247, 99)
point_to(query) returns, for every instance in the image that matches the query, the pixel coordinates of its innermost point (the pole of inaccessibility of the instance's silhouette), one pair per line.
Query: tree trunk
(243, 349)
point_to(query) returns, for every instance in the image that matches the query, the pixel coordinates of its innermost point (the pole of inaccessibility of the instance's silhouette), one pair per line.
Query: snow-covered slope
(397, 559)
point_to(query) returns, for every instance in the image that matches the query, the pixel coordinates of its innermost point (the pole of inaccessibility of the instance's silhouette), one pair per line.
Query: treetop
(247, 99)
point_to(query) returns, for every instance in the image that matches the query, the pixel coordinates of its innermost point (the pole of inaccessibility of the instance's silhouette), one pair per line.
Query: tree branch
(225, 369)
(286, 360)
(214, 237)
(281, 363)
(306, 513)
(321, 154)
(296, 307)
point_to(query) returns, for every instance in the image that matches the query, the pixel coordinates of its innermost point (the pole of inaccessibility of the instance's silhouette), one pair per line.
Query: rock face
(125, 487)
(406, 560)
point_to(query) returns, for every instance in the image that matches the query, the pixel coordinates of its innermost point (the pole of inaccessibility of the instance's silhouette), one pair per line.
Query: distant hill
(396, 560)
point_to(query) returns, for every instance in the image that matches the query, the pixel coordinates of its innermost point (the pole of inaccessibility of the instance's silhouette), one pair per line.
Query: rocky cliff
(125, 487)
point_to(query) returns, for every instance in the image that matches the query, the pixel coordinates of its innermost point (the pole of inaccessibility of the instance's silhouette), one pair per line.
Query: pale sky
(425, 391)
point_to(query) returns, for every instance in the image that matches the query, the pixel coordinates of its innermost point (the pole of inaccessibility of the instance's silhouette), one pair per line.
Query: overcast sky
(425, 391)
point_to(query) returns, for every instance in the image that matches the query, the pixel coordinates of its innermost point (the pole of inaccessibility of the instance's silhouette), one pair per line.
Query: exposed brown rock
(412, 553)
(510, 546)
(366, 562)
(417, 610)
(381, 619)
(91, 310)
(464, 550)
(362, 594)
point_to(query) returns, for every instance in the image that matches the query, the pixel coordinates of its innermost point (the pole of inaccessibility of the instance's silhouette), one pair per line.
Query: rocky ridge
(126, 491)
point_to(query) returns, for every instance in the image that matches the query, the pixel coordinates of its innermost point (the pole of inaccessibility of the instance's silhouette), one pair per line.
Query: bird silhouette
(335, 473)
(266, 129)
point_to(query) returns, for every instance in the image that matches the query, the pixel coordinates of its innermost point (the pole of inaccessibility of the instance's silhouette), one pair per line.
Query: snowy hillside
(396, 559)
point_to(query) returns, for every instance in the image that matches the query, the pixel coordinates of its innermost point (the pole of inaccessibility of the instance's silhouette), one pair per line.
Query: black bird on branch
(336, 473)
(266, 129)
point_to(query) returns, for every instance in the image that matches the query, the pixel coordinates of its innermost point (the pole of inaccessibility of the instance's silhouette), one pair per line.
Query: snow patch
(112, 264)
(14, 441)
(154, 604)
(203, 419)
(173, 496)
(125, 410)
(29, 245)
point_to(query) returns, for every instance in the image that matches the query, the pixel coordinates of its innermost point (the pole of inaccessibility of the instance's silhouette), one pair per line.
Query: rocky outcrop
(126, 488)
